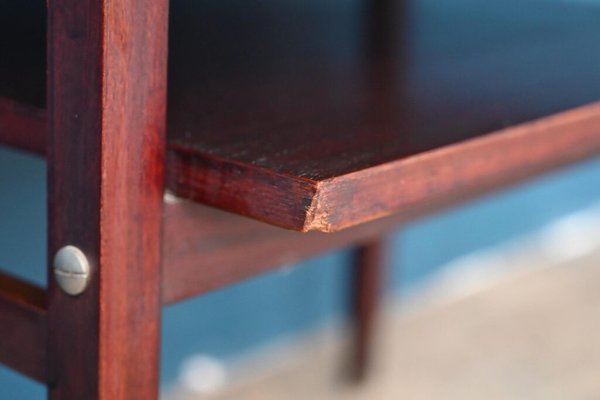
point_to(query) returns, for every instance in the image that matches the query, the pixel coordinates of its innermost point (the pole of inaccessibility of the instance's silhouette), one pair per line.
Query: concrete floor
(531, 335)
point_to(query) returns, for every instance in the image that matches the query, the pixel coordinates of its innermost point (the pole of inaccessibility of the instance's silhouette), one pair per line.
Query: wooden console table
(340, 116)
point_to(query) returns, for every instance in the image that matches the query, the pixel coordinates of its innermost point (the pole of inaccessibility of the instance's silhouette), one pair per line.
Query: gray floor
(531, 335)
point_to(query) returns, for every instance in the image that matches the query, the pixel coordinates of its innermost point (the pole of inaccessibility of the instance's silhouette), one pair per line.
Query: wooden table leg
(369, 266)
(106, 105)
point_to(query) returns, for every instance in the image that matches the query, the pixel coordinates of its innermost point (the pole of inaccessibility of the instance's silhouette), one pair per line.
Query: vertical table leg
(106, 108)
(369, 266)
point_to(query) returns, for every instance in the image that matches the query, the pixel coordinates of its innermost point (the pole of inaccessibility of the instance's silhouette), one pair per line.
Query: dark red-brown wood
(330, 205)
(288, 115)
(307, 116)
(496, 159)
(22, 126)
(321, 115)
(23, 323)
(106, 98)
(206, 249)
(370, 263)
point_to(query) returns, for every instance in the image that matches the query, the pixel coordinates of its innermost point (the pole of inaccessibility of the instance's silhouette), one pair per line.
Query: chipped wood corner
(318, 213)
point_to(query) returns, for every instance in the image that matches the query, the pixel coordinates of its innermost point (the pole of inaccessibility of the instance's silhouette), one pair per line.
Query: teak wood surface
(315, 116)
(321, 116)
(106, 109)
(293, 116)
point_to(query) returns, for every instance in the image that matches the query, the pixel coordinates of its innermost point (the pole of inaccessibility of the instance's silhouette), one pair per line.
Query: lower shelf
(22, 126)
(206, 248)
(23, 317)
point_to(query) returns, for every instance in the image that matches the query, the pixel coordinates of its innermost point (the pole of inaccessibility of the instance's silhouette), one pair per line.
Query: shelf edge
(486, 163)
(461, 170)
(241, 188)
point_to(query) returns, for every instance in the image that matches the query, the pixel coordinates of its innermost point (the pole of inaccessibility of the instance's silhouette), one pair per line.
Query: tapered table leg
(370, 260)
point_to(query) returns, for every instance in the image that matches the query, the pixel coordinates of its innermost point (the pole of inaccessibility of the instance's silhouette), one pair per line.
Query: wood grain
(107, 94)
(23, 318)
(512, 154)
(496, 159)
(288, 115)
(205, 249)
(317, 116)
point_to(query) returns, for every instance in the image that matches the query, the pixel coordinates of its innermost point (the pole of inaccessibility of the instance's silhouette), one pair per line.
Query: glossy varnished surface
(106, 136)
(270, 104)
(319, 115)
(294, 88)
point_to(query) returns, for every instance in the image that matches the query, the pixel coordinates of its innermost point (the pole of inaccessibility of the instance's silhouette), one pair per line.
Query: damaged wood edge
(239, 187)
(318, 214)
(496, 160)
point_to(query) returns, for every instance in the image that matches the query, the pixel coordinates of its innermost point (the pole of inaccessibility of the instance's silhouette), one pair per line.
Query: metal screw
(71, 270)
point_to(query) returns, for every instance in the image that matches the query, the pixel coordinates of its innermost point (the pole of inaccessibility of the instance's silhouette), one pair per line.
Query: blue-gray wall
(233, 320)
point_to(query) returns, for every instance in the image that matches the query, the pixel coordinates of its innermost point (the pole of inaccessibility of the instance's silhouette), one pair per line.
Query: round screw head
(71, 270)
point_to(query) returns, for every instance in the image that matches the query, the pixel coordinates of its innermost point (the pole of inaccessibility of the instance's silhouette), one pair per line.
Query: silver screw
(71, 270)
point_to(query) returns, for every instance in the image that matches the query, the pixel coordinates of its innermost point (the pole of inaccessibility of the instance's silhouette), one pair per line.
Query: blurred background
(478, 302)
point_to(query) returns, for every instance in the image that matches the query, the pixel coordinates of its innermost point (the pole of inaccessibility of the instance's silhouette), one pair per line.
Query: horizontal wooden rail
(206, 249)
(23, 327)
(22, 126)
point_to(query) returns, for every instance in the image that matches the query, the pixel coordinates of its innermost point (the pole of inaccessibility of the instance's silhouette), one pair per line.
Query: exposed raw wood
(206, 249)
(495, 159)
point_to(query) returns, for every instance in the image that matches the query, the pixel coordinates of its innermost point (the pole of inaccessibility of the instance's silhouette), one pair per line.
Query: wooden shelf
(205, 249)
(319, 115)
(287, 114)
